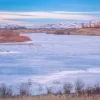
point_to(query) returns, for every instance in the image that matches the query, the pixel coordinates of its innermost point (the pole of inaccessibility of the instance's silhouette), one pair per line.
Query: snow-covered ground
(61, 25)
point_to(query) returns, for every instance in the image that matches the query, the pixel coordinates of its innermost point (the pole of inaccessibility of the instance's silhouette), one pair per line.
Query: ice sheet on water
(59, 58)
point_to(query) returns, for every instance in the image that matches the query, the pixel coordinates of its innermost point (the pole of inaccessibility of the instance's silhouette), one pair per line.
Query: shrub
(79, 87)
(5, 91)
(67, 88)
(24, 89)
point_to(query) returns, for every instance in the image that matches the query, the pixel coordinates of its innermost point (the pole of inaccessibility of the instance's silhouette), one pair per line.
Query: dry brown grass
(53, 97)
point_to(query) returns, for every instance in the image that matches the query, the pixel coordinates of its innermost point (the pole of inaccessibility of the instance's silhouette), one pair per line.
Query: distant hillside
(91, 24)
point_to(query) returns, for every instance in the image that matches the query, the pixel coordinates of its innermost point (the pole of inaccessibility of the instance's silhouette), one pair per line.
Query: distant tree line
(91, 25)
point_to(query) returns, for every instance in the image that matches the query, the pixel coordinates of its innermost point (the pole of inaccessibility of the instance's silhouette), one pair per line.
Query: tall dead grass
(53, 97)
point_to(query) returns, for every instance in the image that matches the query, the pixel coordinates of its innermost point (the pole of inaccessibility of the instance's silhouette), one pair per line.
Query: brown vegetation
(61, 31)
(12, 36)
(79, 31)
(14, 39)
(53, 97)
(8, 32)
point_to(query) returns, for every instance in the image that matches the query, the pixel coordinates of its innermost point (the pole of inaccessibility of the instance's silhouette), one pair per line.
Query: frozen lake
(52, 58)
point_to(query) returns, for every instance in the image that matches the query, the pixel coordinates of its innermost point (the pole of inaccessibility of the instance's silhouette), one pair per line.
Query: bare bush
(24, 89)
(49, 90)
(79, 87)
(40, 87)
(81, 90)
(89, 91)
(5, 91)
(67, 88)
(96, 89)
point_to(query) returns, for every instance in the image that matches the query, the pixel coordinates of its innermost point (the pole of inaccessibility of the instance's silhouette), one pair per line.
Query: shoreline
(13, 44)
(12, 36)
(63, 31)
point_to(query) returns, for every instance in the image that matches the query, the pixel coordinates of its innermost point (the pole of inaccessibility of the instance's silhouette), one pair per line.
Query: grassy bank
(53, 97)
